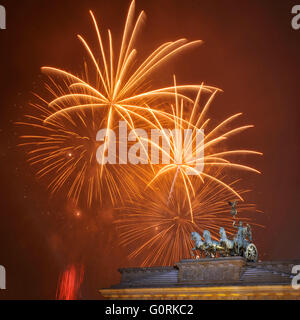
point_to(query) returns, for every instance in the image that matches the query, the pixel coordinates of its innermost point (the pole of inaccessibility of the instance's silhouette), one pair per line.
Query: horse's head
(195, 236)
(206, 235)
(222, 232)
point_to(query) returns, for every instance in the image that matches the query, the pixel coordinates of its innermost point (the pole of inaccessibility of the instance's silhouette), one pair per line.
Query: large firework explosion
(62, 127)
(59, 135)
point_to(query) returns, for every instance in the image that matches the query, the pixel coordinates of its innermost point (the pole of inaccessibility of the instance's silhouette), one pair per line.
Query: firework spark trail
(173, 184)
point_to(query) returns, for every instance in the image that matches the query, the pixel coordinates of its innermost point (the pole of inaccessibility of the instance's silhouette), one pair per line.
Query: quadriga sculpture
(241, 245)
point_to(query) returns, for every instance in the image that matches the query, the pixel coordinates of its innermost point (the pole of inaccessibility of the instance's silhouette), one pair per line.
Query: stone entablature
(211, 271)
(221, 278)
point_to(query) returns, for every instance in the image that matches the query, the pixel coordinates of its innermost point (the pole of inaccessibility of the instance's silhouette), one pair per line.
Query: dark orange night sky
(250, 51)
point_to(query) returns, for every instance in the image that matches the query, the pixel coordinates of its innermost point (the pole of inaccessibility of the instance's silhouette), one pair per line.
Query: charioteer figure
(243, 233)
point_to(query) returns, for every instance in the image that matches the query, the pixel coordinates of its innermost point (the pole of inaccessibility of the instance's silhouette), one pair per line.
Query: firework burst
(192, 152)
(61, 136)
(161, 233)
(118, 90)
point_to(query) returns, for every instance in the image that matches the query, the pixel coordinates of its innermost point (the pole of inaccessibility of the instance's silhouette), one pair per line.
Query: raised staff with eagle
(233, 210)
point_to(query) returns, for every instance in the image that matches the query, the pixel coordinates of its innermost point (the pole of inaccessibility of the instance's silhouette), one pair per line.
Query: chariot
(240, 245)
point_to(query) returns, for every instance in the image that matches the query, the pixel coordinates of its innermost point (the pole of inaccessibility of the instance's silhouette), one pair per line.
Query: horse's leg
(222, 252)
(192, 254)
(207, 253)
(236, 249)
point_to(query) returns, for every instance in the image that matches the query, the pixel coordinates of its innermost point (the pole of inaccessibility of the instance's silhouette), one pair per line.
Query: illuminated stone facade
(207, 279)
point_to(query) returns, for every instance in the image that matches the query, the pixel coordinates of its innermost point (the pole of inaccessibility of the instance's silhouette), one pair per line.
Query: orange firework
(192, 147)
(61, 136)
(160, 234)
(118, 90)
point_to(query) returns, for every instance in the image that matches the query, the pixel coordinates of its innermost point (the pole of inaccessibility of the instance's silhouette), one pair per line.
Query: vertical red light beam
(69, 283)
